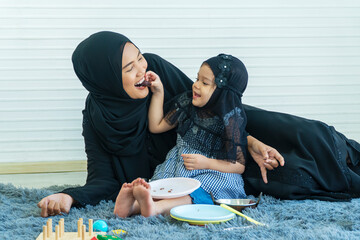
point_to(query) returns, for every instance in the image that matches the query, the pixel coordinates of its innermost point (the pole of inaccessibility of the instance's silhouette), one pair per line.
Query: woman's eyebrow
(130, 62)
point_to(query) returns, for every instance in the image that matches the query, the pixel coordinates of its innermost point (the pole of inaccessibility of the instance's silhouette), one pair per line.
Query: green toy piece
(106, 237)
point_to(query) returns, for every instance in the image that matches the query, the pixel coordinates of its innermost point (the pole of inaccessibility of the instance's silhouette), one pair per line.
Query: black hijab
(119, 121)
(231, 79)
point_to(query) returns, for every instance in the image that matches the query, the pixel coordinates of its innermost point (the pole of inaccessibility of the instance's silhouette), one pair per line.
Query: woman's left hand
(266, 157)
(195, 161)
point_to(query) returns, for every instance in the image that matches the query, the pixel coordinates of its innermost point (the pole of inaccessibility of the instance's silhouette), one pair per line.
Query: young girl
(211, 143)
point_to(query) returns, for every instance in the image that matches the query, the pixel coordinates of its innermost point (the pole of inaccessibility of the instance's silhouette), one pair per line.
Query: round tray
(201, 214)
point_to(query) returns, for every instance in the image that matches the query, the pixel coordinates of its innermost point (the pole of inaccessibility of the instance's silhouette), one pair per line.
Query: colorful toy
(60, 233)
(119, 233)
(107, 237)
(100, 226)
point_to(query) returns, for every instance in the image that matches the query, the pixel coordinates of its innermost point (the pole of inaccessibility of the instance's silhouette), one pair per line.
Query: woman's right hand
(55, 204)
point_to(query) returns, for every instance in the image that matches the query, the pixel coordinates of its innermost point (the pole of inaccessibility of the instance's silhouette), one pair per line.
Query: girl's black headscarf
(231, 79)
(119, 121)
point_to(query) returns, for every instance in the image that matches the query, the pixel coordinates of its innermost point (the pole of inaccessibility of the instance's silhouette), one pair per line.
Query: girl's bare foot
(142, 194)
(124, 201)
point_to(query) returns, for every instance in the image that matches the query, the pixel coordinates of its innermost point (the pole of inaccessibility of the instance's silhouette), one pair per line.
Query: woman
(118, 145)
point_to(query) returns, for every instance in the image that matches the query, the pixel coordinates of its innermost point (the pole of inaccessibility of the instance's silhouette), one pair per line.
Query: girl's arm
(198, 161)
(157, 123)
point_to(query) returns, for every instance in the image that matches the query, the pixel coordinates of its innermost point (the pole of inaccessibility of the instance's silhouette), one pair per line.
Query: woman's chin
(141, 92)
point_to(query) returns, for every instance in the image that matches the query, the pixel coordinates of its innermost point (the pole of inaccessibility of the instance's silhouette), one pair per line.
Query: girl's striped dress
(196, 141)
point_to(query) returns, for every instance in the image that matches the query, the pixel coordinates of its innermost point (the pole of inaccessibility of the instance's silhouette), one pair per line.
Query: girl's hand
(195, 161)
(156, 84)
(266, 157)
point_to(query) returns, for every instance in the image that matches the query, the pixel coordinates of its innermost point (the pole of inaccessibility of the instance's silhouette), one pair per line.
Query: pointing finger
(264, 174)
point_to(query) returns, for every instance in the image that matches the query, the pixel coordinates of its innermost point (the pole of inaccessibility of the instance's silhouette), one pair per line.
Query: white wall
(303, 57)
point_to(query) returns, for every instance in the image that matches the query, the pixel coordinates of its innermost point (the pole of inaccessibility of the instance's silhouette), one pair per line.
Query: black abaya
(320, 163)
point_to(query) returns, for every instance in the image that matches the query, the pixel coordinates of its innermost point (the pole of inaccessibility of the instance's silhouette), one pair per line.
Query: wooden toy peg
(83, 232)
(44, 232)
(57, 234)
(90, 227)
(62, 227)
(79, 228)
(49, 227)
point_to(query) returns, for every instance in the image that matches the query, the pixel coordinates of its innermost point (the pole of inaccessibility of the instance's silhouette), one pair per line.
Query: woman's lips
(144, 83)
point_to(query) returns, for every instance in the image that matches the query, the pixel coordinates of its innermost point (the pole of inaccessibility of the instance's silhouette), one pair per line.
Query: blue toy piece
(100, 226)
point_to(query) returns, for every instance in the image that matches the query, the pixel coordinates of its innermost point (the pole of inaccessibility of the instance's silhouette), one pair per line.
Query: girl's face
(204, 86)
(133, 71)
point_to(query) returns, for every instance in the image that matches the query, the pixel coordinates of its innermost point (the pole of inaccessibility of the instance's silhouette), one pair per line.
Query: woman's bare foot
(142, 194)
(125, 201)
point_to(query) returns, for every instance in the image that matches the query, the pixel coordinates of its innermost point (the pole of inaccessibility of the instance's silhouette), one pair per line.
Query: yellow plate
(193, 222)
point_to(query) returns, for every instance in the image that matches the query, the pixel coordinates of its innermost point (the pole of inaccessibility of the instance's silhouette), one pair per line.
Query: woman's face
(204, 86)
(133, 71)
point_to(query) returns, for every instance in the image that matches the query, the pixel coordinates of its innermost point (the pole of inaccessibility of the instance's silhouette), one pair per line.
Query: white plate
(201, 214)
(173, 187)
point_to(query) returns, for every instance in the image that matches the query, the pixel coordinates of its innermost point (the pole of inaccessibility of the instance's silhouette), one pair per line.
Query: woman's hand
(265, 156)
(195, 161)
(156, 84)
(55, 204)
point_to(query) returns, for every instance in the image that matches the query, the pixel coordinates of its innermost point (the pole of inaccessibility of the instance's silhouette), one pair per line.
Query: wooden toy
(60, 233)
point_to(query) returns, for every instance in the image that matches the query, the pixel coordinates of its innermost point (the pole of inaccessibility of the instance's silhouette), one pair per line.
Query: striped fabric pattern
(221, 185)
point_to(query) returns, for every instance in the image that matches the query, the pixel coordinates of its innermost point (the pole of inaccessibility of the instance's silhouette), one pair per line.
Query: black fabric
(231, 78)
(315, 158)
(118, 144)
